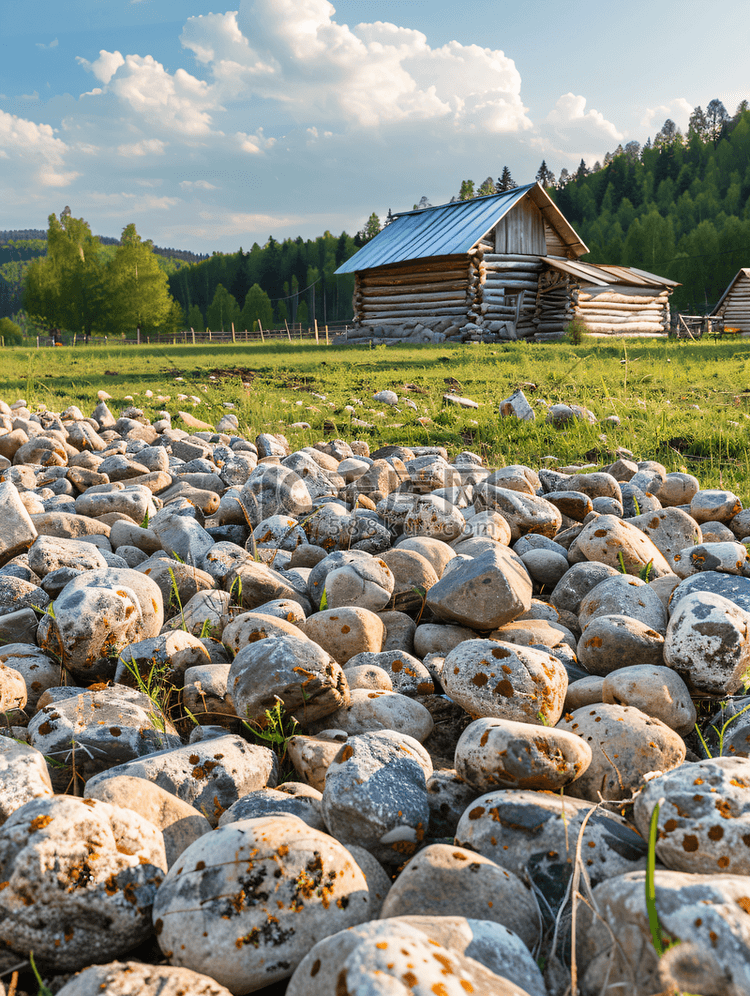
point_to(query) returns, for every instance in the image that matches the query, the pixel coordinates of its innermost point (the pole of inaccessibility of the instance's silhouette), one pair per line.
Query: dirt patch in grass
(245, 374)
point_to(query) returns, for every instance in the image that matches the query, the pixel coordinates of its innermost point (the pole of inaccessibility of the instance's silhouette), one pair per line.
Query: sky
(215, 125)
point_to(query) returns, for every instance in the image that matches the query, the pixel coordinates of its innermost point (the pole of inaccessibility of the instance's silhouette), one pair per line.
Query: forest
(678, 206)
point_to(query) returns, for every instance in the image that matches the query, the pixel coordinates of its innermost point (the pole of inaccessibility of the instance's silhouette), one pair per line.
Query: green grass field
(684, 404)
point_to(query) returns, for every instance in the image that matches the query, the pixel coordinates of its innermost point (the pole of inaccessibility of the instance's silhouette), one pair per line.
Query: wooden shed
(464, 269)
(734, 304)
(610, 300)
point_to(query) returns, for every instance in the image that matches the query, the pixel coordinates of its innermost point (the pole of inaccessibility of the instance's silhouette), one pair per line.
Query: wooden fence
(188, 337)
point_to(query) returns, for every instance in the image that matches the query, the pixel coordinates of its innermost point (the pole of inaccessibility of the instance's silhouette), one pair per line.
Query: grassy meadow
(684, 404)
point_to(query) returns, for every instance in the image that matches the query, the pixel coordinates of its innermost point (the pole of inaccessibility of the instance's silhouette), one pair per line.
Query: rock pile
(482, 683)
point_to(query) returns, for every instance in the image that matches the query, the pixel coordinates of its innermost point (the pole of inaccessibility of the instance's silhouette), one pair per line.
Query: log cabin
(501, 266)
(734, 304)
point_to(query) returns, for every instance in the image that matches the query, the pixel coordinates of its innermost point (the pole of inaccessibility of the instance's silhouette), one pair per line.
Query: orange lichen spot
(480, 680)
(744, 903)
(40, 822)
(690, 842)
(466, 986)
(345, 629)
(504, 688)
(478, 811)
(715, 833)
(723, 808)
(382, 945)
(723, 861)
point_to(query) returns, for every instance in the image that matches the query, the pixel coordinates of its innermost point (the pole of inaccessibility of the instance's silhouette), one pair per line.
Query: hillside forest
(678, 206)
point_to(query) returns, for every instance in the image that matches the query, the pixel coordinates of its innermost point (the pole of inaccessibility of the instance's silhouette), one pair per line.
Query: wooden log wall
(629, 309)
(556, 301)
(507, 287)
(430, 288)
(736, 307)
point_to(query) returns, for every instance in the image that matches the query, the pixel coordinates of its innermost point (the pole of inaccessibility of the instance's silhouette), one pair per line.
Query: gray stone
(670, 530)
(245, 904)
(382, 953)
(482, 593)
(23, 776)
(615, 641)
(271, 802)
(499, 753)
(108, 865)
(573, 586)
(366, 584)
(209, 774)
(445, 880)
(19, 531)
(626, 745)
(724, 557)
(617, 543)
(714, 504)
(656, 690)
(624, 595)
(131, 978)
(704, 816)
(704, 911)
(524, 513)
(97, 730)
(708, 642)
(407, 674)
(489, 678)
(535, 834)
(97, 614)
(375, 794)
(303, 676)
(368, 711)
(179, 822)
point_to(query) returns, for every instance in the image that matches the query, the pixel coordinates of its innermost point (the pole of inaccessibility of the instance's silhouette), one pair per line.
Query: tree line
(288, 281)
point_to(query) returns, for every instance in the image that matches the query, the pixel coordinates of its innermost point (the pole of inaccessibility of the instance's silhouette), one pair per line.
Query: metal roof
(744, 272)
(451, 229)
(598, 273)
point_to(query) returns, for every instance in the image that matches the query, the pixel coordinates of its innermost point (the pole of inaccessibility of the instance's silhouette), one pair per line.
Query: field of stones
(358, 672)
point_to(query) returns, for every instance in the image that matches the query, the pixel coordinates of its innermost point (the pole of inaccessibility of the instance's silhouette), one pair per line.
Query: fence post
(233, 338)
(288, 333)
(260, 326)
(192, 332)
(37, 342)
(317, 340)
(209, 334)
(327, 343)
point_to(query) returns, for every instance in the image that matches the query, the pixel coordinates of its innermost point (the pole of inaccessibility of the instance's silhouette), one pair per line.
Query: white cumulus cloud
(679, 110)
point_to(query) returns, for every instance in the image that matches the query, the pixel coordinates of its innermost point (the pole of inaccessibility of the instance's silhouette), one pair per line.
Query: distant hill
(36, 234)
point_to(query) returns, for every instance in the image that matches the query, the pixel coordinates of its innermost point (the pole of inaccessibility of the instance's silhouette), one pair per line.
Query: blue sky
(216, 125)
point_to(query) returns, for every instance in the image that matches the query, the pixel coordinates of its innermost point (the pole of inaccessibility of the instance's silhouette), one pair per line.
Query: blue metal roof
(446, 230)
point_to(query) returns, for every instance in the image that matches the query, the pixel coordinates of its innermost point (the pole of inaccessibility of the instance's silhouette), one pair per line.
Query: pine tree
(466, 193)
(505, 181)
(544, 175)
(486, 187)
